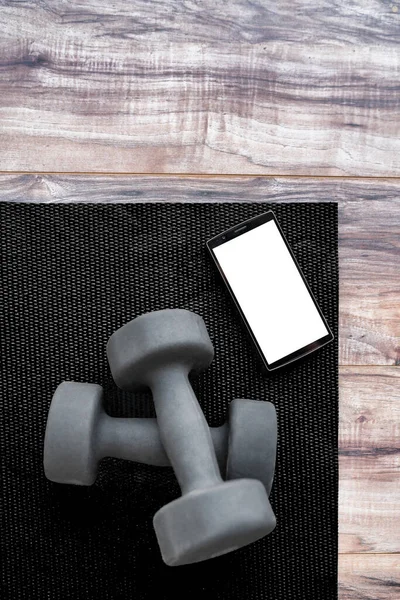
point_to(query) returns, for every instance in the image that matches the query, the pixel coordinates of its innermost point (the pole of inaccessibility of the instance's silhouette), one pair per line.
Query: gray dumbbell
(79, 433)
(212, 517)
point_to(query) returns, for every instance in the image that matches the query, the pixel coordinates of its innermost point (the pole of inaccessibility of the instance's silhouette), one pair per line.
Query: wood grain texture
(369, 236)
(369, 459)
(369, 577)
(210, 87)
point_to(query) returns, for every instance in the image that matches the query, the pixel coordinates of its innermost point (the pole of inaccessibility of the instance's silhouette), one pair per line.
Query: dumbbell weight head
(252, 445)
(211, 517)
(79, 434)
(70, 442)
(153, 341)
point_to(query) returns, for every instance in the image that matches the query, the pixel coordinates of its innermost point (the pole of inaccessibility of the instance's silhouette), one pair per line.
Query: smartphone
(269, 290)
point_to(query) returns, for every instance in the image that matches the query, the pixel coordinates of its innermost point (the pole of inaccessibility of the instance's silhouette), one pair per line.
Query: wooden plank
(369, 577)
(210, 87)
(369, 459)
(369, 235)
(362, 205)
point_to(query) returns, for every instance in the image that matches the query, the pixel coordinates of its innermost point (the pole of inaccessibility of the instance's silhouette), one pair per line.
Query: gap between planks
(200, 175)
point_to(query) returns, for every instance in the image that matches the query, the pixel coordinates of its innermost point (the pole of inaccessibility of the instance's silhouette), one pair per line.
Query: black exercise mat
(71, 275)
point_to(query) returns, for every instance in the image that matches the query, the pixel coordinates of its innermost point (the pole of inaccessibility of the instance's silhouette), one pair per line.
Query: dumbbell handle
(184, 431)
(139, 440)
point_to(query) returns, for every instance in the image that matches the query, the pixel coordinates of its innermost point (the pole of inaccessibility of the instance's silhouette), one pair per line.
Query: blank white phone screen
(270, 291)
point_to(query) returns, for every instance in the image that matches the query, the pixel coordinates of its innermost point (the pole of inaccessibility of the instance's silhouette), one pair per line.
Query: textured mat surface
(71, 275)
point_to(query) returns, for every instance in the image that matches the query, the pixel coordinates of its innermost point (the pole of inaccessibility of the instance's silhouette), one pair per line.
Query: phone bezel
(241, 229)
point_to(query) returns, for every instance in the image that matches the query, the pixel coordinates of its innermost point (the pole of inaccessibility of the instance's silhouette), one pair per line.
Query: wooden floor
(211, 101)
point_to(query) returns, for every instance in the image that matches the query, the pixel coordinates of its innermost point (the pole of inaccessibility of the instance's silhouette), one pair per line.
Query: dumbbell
(79, 433)
(212, 517)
